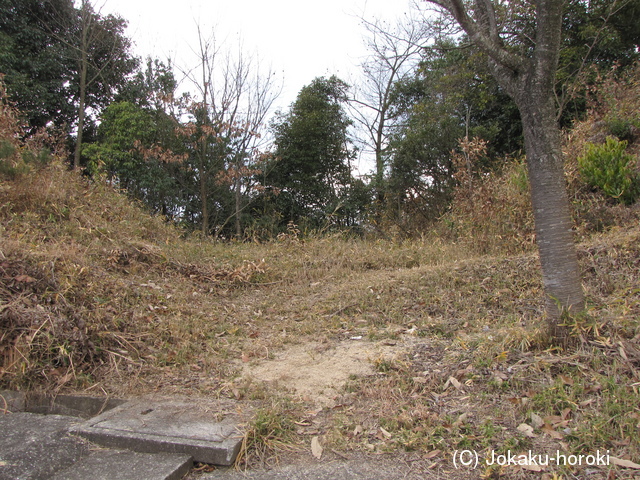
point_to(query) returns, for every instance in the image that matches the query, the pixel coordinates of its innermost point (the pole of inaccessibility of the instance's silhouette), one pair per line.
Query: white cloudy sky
(299, 39)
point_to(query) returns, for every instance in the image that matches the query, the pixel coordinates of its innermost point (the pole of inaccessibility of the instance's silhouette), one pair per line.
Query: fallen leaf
(566, 380)
(460, 420)
(527, 430)
(536, 420)
(593, 388)
(553, 419)
(623, 354)
(624, 463)
(358, 430)
(500, 376)
(454, 381)
(621, 443)
(25, 279)
(522, 460)
(316, 448)
(385, 433)
(548, 429)
(433, 454)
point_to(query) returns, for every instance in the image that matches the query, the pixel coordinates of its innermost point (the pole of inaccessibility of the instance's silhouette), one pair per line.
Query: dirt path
(316, 371)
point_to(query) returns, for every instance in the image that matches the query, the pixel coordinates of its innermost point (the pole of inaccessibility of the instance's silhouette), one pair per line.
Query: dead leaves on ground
(215, 276)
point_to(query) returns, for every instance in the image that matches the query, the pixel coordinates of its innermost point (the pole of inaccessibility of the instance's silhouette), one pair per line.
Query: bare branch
(394, 53)
(485, 38)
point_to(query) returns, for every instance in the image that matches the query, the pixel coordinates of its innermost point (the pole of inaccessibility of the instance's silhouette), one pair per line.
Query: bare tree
(235, 100)
(247, 98)
(522, 40)
(394, 52)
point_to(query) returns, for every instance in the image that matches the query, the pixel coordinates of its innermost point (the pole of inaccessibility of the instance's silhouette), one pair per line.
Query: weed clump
(271, 430)
(611, 169)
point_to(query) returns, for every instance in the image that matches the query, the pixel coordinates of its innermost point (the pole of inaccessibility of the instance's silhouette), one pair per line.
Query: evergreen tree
(37, 65)
(313, 153)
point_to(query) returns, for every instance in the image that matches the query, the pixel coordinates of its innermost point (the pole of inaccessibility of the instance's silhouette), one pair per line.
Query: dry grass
(99, 297)
(96, 296)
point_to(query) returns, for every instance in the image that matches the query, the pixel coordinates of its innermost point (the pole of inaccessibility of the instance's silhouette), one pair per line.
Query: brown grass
(99, 297)
(96, 296)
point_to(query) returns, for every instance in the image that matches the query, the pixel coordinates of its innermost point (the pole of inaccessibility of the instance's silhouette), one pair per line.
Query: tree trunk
(81, 113)
(530, 80)
(84, 65)
(238, 202)
(203, 194)
(551, 211)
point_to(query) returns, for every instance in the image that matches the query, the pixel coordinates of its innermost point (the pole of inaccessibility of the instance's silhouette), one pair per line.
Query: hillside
(417, 347)
(98, 297)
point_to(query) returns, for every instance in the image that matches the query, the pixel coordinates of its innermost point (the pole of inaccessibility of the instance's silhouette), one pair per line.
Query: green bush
(7, 150)
(610, 168)
(622, 127)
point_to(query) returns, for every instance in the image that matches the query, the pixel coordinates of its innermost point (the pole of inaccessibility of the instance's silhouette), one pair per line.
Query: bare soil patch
(317, 372)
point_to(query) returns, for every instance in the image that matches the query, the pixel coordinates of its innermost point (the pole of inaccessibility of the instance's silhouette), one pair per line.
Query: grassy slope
(98, 297)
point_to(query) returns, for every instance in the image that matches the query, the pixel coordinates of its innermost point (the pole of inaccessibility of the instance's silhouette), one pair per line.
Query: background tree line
(219, 160)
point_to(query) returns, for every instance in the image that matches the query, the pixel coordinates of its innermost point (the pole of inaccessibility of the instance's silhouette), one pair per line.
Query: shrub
(491, 212)
(611, 169)
(622, 127)
(17, 153)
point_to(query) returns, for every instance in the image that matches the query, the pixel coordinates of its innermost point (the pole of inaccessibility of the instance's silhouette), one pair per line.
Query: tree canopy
(312, 152)
(206, 159)
(45, 46)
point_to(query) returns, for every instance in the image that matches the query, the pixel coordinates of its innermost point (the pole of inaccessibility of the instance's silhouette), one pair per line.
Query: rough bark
(552, 215)
(529, 80)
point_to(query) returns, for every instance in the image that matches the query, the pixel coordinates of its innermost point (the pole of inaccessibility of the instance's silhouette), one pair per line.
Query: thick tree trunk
(529, 80)
(551, 210)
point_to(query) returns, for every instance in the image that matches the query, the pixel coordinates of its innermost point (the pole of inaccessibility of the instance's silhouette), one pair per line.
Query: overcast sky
(298, 39)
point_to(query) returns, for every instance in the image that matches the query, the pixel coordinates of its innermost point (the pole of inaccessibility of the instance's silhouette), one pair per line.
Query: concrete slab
(33, 446)
(126, 465)
(73, 405)
(209, 435)
(11, 402)
(356, 469)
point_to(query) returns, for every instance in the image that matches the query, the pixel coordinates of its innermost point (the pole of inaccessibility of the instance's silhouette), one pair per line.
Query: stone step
(208, 433)
(126, 465)
(35, 446)
(39, 447)
(147, 439)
